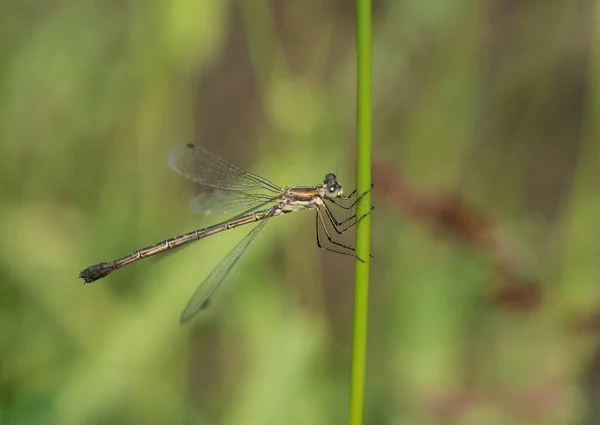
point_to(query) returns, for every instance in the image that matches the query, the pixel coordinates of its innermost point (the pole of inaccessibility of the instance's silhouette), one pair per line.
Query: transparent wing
(198, 164)
(226, 201)
(202, 295)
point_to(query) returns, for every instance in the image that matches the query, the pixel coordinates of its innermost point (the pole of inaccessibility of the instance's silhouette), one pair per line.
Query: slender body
(98, 271)
(290, 199)
(237, 190)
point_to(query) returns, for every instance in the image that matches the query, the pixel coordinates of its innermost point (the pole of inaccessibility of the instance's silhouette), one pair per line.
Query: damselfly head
(329, 178)
(332, 188)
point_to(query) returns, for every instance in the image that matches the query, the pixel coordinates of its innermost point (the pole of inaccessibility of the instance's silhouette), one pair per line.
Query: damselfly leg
(237, 190)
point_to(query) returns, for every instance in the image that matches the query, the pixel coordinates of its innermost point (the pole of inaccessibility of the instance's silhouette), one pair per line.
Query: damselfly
(237, 190)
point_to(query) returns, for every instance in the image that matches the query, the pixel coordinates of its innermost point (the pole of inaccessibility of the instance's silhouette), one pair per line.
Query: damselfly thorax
(236, 190)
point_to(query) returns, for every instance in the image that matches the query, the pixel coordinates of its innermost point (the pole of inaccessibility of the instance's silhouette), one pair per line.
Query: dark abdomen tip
(95, 272)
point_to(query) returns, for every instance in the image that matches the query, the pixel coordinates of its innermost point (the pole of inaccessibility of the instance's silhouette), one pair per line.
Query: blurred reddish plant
(449, 214)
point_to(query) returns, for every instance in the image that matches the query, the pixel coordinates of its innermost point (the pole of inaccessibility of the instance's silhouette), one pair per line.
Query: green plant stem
(363, 228)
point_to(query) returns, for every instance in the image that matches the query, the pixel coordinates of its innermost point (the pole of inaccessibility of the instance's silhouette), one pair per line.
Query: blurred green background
(486, 234)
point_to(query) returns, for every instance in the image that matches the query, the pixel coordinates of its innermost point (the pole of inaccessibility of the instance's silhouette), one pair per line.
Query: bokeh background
(484, 294)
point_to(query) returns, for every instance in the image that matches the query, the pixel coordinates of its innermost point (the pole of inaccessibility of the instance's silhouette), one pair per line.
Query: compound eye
(332, 190)
(329, 178)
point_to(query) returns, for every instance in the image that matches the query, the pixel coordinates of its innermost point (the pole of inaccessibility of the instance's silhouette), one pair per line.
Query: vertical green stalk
(363, 228)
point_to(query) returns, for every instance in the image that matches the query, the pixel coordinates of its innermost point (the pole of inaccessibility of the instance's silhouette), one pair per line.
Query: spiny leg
(358, 198)
(320, 222)
(339, 225)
